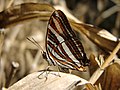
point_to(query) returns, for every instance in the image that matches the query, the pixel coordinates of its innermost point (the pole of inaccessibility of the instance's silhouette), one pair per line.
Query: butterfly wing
(62, 46)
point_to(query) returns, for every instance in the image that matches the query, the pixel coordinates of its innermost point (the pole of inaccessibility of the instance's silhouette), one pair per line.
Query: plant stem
(111, 57)
(99, 71)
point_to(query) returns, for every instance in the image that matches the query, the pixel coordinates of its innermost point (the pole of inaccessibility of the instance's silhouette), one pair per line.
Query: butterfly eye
(86, 62)
(44, 55)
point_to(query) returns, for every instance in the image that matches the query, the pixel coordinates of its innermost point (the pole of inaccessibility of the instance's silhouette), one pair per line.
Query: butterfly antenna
(35, 43)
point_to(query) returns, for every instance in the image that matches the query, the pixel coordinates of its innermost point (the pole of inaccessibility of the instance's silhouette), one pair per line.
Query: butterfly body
(63, 48)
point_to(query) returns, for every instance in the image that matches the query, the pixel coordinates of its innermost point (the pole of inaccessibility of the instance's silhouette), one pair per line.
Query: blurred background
(19, 56)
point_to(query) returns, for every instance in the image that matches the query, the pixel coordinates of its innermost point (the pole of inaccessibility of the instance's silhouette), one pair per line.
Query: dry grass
(19, 57)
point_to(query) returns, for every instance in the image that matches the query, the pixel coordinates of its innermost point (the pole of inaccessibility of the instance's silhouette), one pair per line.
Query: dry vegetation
(20, 60)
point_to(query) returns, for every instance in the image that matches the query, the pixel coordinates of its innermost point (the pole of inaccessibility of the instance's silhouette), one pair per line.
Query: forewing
(61, 25)
(62, 46)
(58, 31)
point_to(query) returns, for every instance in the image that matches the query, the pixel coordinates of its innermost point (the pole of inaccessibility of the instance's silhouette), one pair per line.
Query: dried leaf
(93, 64)
(92, 87)
(53, 82)
(24, 12)
(110, 80)
(100, 37)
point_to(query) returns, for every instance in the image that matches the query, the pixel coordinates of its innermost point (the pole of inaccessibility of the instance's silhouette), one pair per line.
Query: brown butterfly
(63, 48)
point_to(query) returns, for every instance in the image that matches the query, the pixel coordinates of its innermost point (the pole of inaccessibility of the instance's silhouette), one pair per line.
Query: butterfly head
(86, 62)
(44, 55)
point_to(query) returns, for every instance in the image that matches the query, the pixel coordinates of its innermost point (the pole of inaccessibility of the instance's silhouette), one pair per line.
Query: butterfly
(63, 48)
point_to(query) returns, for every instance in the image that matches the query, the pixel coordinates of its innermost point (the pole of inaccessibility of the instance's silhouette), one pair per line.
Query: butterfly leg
(58, 70)
(47, 71)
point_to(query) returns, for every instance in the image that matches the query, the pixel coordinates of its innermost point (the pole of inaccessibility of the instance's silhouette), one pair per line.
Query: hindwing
(62, 46)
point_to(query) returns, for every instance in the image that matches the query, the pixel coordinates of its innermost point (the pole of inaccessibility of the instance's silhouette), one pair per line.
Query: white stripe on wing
(56, 34)
(69, 53)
